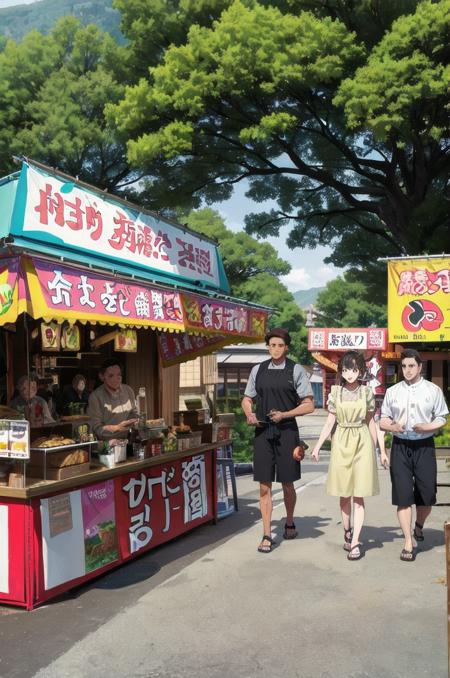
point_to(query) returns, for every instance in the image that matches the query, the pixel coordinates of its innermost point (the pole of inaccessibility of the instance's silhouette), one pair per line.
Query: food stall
(85, 276)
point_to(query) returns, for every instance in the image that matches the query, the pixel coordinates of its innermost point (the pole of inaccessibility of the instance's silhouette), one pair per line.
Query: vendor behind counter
(112, 406)
(33, 407)
(74, 398)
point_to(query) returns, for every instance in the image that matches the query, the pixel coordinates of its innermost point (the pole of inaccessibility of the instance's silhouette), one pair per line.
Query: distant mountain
(305, 298)
(15, 22)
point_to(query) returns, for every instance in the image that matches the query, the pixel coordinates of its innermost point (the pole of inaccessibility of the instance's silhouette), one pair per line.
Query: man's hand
(252, 419)
(420, 428)
(276, 416)
(396, 427)
(298, 453)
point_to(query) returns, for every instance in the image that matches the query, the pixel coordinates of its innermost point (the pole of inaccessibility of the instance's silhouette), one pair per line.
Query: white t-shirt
(301, 380)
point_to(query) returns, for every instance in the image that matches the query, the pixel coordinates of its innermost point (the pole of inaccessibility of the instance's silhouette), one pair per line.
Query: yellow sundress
(352, 471)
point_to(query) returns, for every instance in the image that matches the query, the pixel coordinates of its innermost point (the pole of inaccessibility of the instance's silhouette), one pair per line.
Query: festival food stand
(84, 276)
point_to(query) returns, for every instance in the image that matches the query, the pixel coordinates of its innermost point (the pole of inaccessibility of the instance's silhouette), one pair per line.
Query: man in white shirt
(413, 410)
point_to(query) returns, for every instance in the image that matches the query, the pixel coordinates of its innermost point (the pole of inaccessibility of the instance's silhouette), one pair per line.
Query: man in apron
(282, 392)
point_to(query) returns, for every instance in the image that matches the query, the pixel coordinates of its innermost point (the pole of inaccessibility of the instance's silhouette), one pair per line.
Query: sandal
(266, 548)
(293, 532)
(417, 536)
(355, 552)
(407, 556)
(348, 535)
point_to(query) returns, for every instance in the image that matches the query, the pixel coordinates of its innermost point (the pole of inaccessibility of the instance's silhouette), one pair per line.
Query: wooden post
(447, 562)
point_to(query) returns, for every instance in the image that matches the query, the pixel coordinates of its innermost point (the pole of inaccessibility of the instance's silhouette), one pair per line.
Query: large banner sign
(59, 291)
(419, 300)
(162, 502)
(181, 347)
(58, 212)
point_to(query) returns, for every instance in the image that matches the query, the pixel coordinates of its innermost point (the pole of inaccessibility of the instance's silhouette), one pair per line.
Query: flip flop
(352, 554)
(407, 556)
(267, 547)
(348, 535)
(417, 536)
(292, 534)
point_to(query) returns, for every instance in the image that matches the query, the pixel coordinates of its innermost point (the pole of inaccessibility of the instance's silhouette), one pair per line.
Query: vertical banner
(161, 502)
(4, 550)
(419, 300)
(99, 523)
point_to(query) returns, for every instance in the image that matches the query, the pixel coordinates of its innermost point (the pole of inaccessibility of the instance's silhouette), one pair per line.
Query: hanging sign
(60, 212)
(419, 300)
(214, 316)
(347, 339)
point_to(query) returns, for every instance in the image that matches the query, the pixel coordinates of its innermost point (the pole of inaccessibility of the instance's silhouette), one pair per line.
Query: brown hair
(280, 333)
(351, 360)
(411, 353)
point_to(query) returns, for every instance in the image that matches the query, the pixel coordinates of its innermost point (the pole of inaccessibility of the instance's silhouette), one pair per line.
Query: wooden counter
(41, 488)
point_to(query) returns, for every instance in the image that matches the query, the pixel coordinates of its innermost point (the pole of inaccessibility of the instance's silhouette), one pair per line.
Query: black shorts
(413, 472)
(272, 459)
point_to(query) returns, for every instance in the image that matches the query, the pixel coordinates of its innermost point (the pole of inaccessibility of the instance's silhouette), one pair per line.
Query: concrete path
(209, 605)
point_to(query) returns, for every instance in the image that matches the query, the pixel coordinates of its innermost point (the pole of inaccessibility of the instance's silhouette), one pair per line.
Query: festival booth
(327, 345)
(84, 276)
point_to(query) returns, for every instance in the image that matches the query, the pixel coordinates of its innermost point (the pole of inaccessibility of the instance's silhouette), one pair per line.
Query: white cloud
(303, 279)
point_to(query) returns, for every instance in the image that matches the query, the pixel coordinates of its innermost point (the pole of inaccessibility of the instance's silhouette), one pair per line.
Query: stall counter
(55, 535)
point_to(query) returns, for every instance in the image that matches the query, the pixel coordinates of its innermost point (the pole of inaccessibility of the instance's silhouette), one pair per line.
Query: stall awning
(53, 290)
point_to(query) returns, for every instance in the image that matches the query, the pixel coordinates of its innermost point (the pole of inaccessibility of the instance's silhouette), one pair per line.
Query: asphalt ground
(209, 605)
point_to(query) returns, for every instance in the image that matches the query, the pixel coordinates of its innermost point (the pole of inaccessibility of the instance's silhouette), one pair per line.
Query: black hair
(411, 353)
(280, 333)
(110, 362)
(351, 360)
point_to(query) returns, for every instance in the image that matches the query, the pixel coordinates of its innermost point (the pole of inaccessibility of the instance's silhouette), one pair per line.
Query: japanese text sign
(62, 213)
(340, 339)
(180, 347)
(214, 316)
(419, 299)
(60, 291)
(161, 502)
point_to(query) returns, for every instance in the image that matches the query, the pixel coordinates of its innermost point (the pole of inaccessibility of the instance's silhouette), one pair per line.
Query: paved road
(209, 606)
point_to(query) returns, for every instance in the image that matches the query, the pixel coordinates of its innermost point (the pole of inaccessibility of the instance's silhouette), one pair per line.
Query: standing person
(282, 392)
(413, 410)
(75, 393)
(352, 472)
(112, 406)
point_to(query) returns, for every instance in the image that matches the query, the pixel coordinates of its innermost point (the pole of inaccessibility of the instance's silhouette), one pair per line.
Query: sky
(308, 267)
(10, 3)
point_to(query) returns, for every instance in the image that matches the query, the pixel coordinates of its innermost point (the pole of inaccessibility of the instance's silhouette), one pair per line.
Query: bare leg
(290, 499)
(404, 514)
(422, 513)
(265, 504)
(358, 518)
(346, 507)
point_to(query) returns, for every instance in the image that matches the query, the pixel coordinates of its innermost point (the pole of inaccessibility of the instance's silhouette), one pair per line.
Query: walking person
(413, 410)
(352, 472)
(282, 392)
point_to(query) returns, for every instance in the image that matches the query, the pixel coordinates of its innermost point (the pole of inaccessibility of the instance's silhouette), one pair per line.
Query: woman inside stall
(74, 397)
(33, 407)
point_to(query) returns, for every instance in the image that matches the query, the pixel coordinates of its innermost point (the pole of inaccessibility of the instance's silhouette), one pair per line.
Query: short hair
(77, 378)
(110, 362)
(411, 353)
(280, 333)
(25, 379)
(351, 360)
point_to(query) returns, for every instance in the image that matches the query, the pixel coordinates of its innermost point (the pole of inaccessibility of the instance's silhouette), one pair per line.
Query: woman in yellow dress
(352, 472)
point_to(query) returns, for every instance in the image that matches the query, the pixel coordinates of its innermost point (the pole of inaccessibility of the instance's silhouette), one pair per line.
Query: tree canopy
(336, 111)
(346, 302)
(53, 90)
(253, 269)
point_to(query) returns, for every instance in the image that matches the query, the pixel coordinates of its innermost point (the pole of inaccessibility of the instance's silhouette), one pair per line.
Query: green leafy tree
(339, 114)
(53, 90)
(253, 269)
(346, 302)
